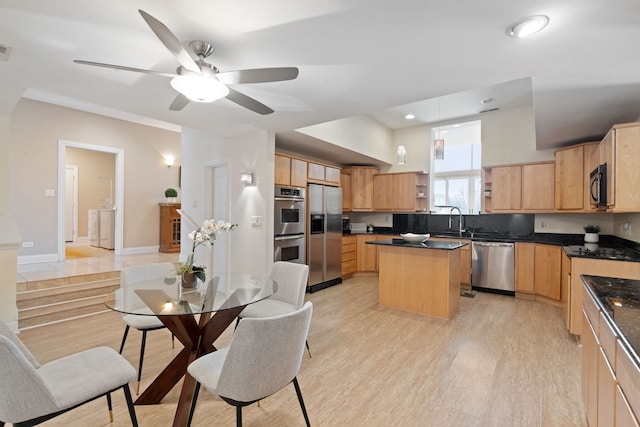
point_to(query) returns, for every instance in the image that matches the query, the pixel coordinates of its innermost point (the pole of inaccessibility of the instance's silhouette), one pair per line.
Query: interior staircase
(55, 300)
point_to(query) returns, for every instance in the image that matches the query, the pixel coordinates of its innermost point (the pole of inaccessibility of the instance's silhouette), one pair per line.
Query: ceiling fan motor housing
(201, 48)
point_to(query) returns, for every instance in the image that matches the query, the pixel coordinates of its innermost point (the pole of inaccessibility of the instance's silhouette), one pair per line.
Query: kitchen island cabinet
(419, 278)
(610, 344)
(594, 267)
(465, 258)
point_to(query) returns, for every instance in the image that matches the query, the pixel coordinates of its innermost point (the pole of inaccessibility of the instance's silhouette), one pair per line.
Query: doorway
(113, 197)
(71, 204)
(218, 207)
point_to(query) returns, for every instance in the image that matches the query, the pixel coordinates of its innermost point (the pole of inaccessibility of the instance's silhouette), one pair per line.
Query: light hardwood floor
(499, 361)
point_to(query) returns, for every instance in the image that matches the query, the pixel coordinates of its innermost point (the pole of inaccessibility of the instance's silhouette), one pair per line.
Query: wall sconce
(169, 160)
(402, 154)
(247, 178)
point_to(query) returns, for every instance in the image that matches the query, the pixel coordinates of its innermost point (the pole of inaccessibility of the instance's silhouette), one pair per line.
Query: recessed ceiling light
(487, 101)
(410, 116)
(527, 26)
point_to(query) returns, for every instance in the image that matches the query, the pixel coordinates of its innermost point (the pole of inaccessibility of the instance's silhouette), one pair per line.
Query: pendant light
(438, 143)
(401, 150)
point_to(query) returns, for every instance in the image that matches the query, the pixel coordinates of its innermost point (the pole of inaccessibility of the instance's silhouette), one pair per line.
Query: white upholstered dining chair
(150, 276)
(31, 393)
(264, 356)
(292, 285)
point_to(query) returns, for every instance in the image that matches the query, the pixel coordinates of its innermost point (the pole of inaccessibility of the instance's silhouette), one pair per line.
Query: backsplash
(520, 225)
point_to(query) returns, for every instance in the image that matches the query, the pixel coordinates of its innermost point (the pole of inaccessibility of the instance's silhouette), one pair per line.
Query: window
(456, 177)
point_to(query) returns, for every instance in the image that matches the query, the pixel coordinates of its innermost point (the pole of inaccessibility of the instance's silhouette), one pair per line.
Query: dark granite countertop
(610, 247)
(619, 299)
(429, 244)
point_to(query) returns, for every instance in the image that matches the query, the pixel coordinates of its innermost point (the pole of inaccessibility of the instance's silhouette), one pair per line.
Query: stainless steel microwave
(598, 185)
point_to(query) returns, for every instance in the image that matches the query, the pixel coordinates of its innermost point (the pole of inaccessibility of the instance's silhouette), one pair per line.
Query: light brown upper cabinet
(524, 187)
(323, 174)
(290, 171)
(537, 186)
(401, 192)
(506, 188)
(345, 183)
(362, 187)
(620, 150)
(573, 167)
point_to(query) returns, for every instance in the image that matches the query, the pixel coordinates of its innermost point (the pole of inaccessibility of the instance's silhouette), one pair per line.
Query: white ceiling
(355, 57)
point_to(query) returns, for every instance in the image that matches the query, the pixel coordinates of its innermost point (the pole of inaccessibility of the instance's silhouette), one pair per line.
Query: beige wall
(9, 236)
(96, 182)
(37, 127)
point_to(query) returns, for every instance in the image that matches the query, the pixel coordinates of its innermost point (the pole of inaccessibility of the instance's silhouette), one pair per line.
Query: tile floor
(80, 266)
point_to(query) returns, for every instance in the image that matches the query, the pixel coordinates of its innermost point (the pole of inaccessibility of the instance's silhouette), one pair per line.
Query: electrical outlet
(50, 192)
(544, 224)
(256, 221)
(27, 244)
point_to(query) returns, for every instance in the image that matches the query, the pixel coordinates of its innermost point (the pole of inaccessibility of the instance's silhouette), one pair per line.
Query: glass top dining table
(218, 303)
(167, 297)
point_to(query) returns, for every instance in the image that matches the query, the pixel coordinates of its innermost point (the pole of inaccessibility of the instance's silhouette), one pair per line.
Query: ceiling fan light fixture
(199, 88)
(528, 26)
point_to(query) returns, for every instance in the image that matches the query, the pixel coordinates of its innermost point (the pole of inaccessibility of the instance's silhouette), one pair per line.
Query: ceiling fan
(199, 81)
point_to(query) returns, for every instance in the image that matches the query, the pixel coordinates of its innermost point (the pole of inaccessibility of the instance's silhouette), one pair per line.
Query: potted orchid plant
(205, 234)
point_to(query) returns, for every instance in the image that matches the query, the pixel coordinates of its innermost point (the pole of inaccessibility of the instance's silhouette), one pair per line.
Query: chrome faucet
(460, 230)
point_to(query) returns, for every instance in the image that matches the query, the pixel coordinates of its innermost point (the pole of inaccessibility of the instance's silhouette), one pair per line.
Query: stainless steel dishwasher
(492, 267)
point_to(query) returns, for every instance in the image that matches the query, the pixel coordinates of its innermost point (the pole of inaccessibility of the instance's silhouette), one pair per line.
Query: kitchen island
(419, 277)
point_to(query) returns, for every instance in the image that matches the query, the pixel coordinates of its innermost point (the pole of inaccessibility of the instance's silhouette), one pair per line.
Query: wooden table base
(198, 339)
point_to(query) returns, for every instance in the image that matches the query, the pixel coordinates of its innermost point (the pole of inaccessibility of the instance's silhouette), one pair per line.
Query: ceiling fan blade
(179, 103)
(248, 102)
(171, 42)
(122, 67)
(258, 75)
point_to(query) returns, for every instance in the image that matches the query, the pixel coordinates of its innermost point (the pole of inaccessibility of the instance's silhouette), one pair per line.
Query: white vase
(171, 199)
(591, 237)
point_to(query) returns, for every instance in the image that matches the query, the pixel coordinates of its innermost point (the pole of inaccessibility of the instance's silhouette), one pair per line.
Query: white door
(220, 211)
(71, 204)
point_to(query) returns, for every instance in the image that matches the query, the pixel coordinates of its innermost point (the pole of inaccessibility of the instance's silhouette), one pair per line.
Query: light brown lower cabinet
(349, 255)
(548, 267)
(624, 414)
(525, 258)
(367, 255)
(538, 269)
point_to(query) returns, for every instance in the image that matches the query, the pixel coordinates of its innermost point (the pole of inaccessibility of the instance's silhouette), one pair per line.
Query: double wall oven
(289, 224)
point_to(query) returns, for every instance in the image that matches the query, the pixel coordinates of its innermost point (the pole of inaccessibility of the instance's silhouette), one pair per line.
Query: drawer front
(346, 240)
(628, 377)
(348, 267)
(350, 256)
(349, 247)
(592, 311)
(608, 340)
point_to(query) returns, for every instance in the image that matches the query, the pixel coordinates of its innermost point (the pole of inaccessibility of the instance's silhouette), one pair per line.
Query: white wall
(251, 248)
(360, 133)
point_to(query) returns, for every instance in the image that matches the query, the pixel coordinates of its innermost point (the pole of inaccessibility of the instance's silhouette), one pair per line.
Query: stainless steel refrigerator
(324, 255)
